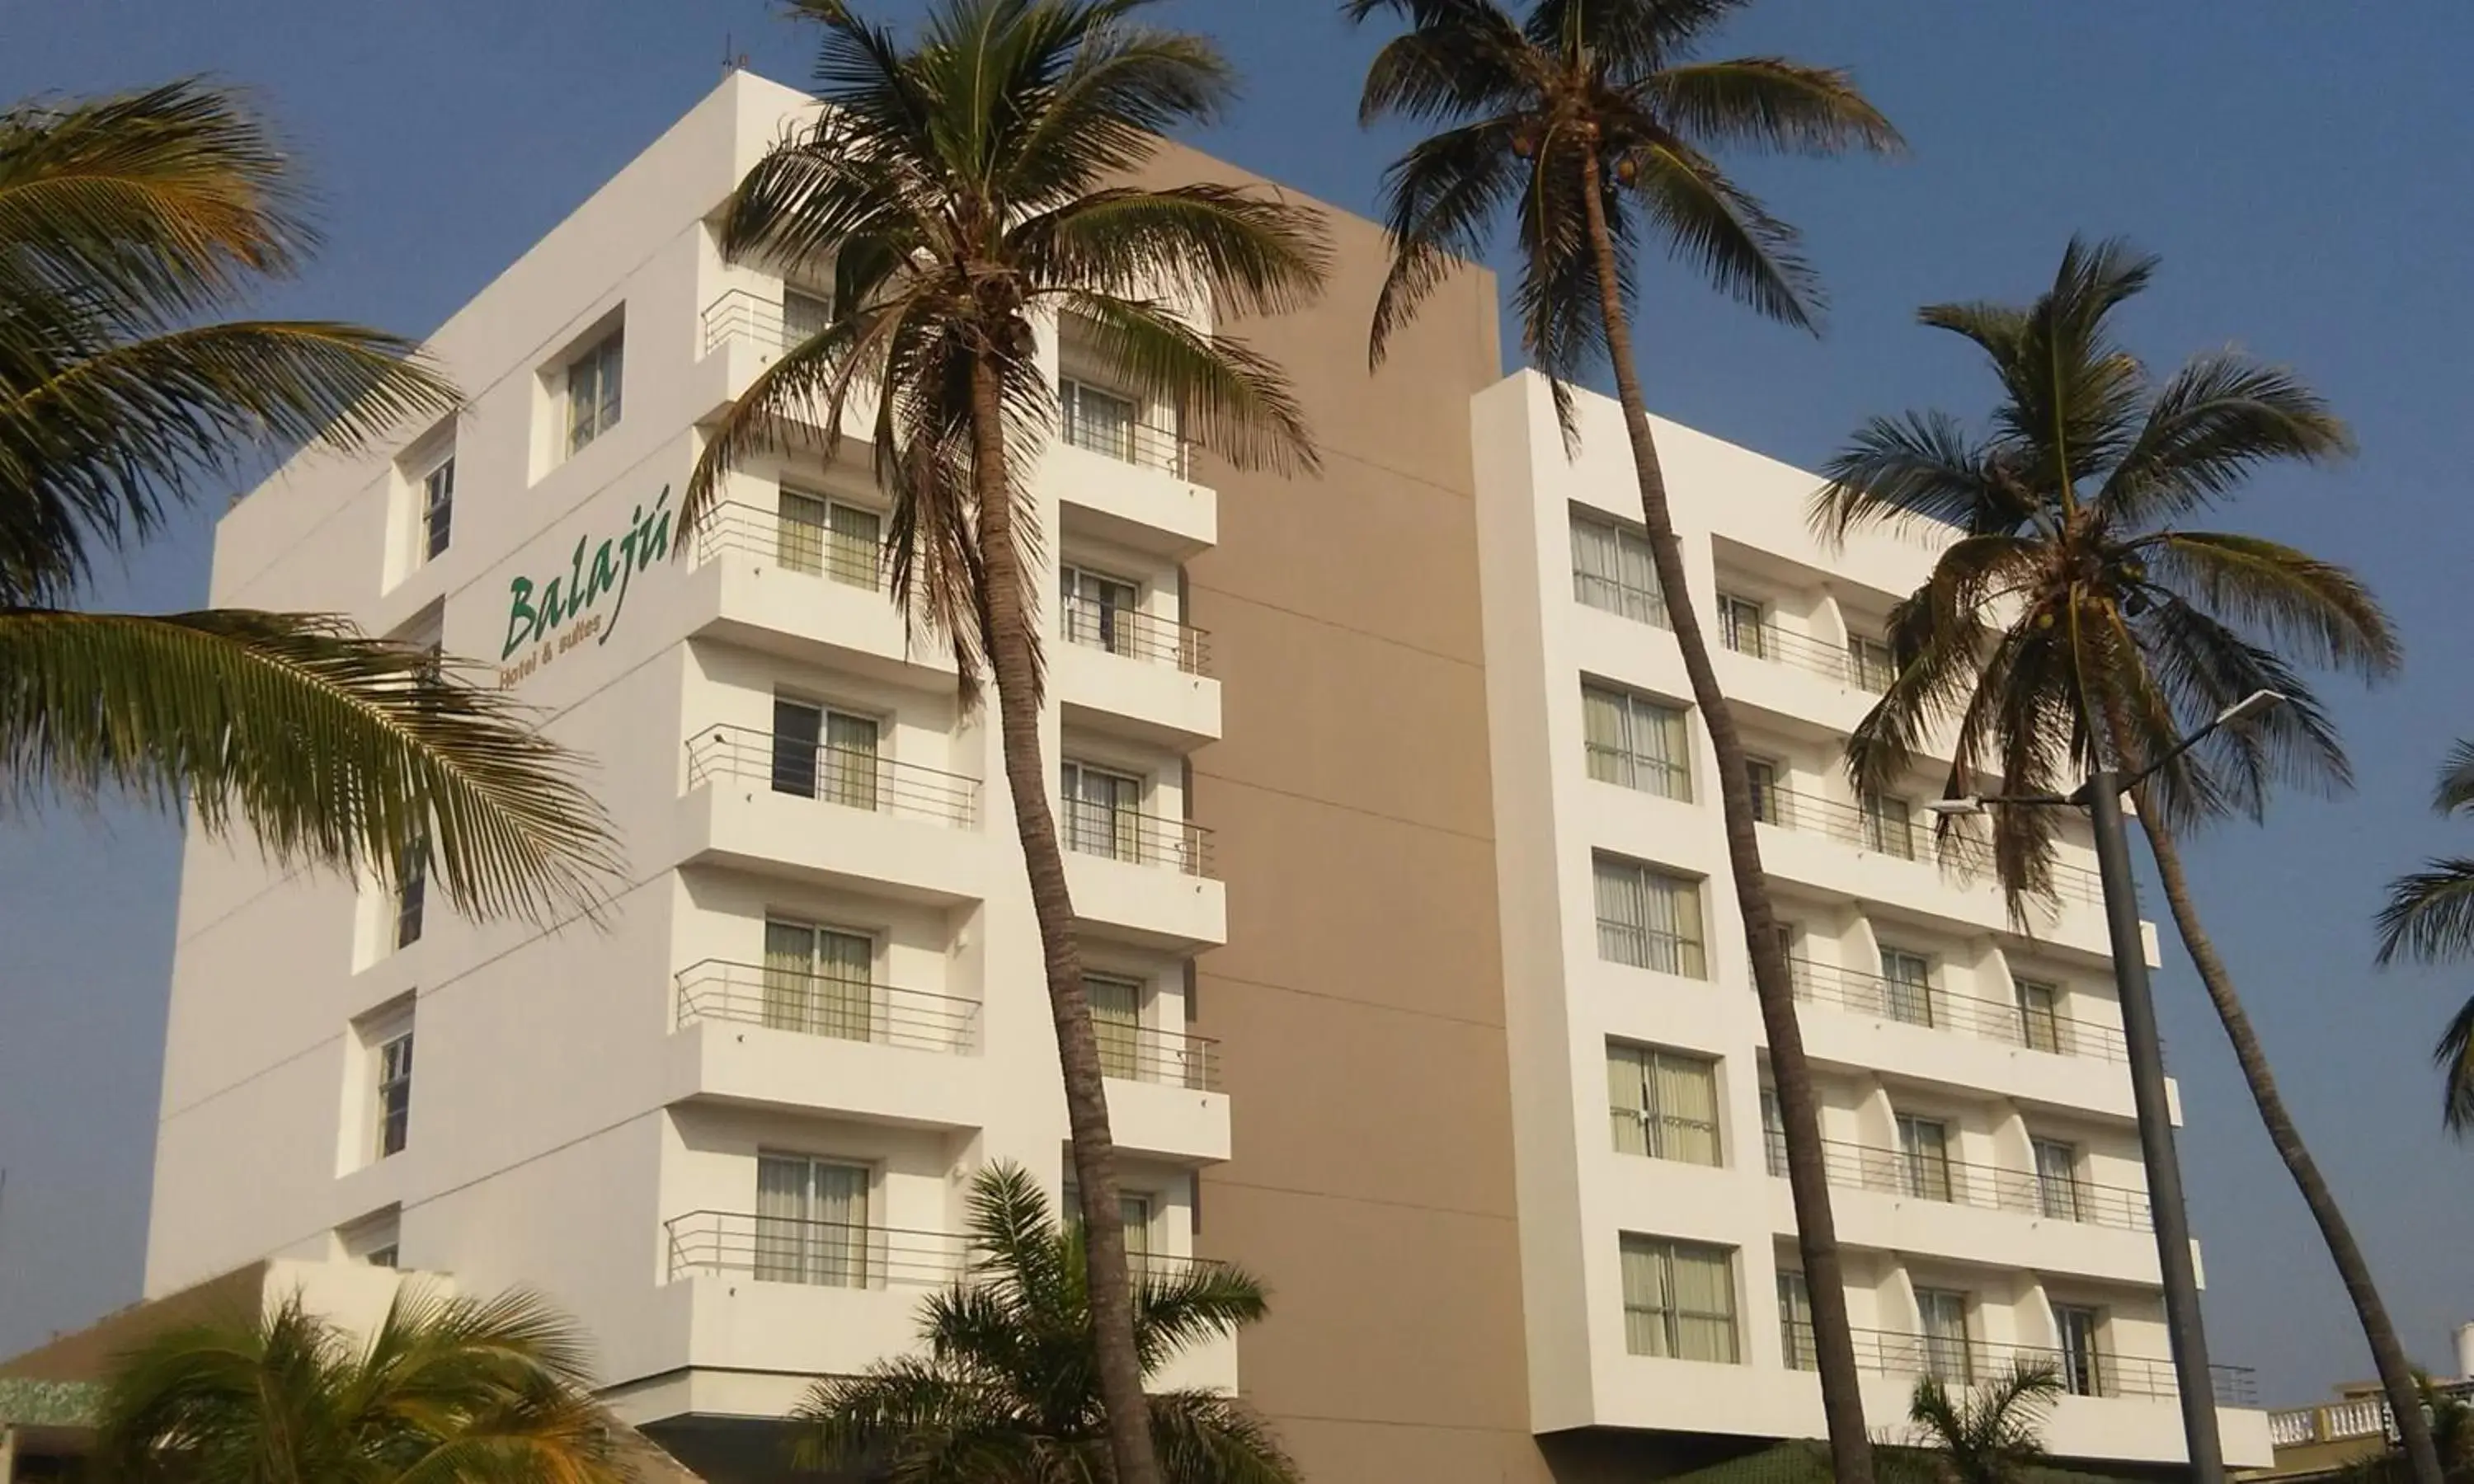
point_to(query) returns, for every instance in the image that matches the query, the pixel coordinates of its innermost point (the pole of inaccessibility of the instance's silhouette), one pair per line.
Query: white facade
(1938, 1080)
(586, 1105)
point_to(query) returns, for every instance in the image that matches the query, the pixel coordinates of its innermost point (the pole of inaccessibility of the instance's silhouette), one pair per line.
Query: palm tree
(1990, 1434)
(132, 227)
(1589, 121)
(2076, 621)
(447, 1391)
(2430, 917)
(1005, 1391)
(2452, 1437)
(960, 192)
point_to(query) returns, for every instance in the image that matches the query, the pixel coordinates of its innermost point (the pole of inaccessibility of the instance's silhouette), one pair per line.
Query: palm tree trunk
(2396, 1374)
(1833, 1345)
(1012, 655)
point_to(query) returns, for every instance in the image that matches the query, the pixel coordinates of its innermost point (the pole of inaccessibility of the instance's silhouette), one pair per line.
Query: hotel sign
(547, 618)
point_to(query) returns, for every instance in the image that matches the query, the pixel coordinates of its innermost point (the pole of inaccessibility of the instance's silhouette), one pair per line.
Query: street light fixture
(2101, 796)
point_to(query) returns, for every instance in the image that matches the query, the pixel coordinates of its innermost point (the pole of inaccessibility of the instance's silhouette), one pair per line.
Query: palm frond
(1726, 234)
(1119, 90)
(2217, 422)
(1191, 1303)
(1234, 400)
(2430, 913)
(336, 750)
(1768, 103)
(2292, 599)
(2454, 1055)
(1437, 202)
(1254, 254)
(1469, 59)
(1902, 472)
(1624, 38)
(1206, 1438)
(2454, 792)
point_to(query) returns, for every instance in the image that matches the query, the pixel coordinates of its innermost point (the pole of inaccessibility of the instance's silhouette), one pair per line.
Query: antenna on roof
(732, 60)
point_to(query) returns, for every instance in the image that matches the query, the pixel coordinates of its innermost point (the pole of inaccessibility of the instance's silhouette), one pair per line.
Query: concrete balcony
(1891, 1202)
(831, 818)
(785, 587)
(1164, 1098)
(877, 1053)
(1145, 879)
(1134, 674)
(1131, 485)
(744, 332)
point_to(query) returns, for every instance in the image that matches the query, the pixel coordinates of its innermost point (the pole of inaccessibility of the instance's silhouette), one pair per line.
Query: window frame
(819, 547)
(1897, 992)
(1658, 1127)
(1687, 947)
(1627, 765)
(1733, 606)
(1110, 628)
(858, 1265)
(390, 1088)
(436, 509)
(2022, 991)
(1672, 1316)
(1642, 605)
(606, 359)
(1918, 1169)
(1125, 842)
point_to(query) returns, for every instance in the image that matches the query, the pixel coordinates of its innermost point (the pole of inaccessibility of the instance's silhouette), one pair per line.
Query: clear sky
(2302, 168)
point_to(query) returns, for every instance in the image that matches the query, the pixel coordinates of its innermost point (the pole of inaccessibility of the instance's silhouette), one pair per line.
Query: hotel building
(1393, 847)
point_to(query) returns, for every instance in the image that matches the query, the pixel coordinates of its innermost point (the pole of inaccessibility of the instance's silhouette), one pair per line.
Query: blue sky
(2300, 167)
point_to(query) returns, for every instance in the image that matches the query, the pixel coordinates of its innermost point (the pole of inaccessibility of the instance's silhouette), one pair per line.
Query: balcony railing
(1138, 839)
(2082, 1373)
(814, 1004)
(793, 546)
(1145, 444)
(748, 316)
(1861, 666)
(2036, 1030)
(1170, 1058)
(1135, 635)
(820, 1254)
(1922, 1178)
(851, 777)
(1886, 832)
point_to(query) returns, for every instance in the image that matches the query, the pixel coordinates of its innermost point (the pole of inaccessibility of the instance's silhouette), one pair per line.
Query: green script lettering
(537, 611)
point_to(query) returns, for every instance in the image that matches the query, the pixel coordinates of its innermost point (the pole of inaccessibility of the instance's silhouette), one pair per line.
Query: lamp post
(2101, 796)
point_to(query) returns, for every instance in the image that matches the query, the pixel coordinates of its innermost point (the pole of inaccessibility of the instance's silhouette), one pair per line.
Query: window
(1869, 665)
(2040, 1022)
(1773, 1134)
(828, 539)
(1743, 627)
(1769, 799)
(1098, 609)
(2079, 1328)
(2058, 1179)
(1612, 570)
(1116, 1022)
(824, 754)
(1134, 1212)
(1907, 986)
(1100, 422)
(1649, 919)
(1678, 1300)
(804, 316)
(1637, 742)
(592, 382)
(1886, 825)
(1795, 1322)
(437, 508)
(375, 1239)
(1664, 1103)
(820, 981)
(382, 1256)
(812, 1221)
(411, 887)
(1924, 1157)
(390, 1088)
(1102, 812)
(1946, 1359)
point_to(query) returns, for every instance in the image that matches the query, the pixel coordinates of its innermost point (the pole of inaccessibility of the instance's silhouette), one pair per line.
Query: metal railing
(2082, 1373)
(1920, 1176)
(1883, 832)
(814, 1004)
(1135, 633)
(1856, 663)
(851, 777)
(793, 546)
(1170, 1058)
(745, 314)
(2015, 1025)
(819, 1253)
(1129, 441)
(1138, 839)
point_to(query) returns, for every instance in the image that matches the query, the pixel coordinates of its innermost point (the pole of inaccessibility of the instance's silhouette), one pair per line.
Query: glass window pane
(1116, 1023)
(798, 729)
(799, 545)
(851, 760)
(1628, 1097)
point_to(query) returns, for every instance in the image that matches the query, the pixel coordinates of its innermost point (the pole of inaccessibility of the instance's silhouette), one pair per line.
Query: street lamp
(2101, 796)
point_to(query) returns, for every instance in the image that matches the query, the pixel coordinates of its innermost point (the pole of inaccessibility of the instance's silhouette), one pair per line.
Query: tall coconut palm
(1591, 124)
(2076, 618)
(133, 228)
(447, 1391)
(2430, 917)
(961, 193)
(1987, 1434)
(1005, 1391)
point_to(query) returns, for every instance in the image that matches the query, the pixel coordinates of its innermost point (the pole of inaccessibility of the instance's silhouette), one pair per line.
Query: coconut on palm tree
(134, 230)
(2430, 917)
(1007, 1389)
(963, 194)
(2077, 618)
(1592, 124)
(445, 1389)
